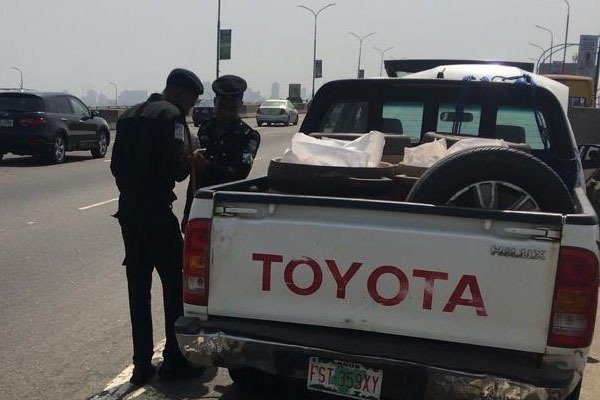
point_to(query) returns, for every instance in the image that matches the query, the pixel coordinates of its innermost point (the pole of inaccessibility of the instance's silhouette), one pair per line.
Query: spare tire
(493, 178)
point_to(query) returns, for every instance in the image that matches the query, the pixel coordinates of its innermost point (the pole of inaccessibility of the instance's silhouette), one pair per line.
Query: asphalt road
(65, 324)
(63, 295)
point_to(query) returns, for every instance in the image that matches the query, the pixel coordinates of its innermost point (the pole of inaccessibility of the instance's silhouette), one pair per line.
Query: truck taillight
(575, 299)
(196, 262)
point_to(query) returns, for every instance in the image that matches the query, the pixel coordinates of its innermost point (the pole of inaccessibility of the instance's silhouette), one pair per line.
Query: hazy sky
(82, 44)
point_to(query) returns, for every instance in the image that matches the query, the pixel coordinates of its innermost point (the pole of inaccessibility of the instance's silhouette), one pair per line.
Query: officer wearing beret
(149, 156)
(229, 144)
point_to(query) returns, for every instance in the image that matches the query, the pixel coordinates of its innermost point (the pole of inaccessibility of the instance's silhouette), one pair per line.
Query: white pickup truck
(395, 296)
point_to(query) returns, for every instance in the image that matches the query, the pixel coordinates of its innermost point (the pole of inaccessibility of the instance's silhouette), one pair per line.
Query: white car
(277, 112)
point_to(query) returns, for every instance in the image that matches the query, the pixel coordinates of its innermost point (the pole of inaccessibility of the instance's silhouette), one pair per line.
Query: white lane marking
(120, 386)
(31, 223)
(97, 204)
(106, 161)
(258, 158)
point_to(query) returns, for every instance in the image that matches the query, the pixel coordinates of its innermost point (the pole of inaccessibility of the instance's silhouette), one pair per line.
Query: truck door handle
(535, 233)
(231, 211)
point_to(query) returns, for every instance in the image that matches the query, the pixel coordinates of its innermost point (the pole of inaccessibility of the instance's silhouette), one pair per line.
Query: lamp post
(315, 14)
(21, 74)
(566, 34)
(382, 57)
(116, 92)
(551, 37)
(360, 40)
(218, 36)
(541, 49)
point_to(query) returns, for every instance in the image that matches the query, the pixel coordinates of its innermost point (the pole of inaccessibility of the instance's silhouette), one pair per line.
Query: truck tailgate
(447, 278)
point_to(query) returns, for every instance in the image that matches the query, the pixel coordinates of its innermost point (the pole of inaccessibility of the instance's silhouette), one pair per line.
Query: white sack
(366, 151)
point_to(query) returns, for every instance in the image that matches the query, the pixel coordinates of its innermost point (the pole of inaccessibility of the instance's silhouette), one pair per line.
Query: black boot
(142, 374)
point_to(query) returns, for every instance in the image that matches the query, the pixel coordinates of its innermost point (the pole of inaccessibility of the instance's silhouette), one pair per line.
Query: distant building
(252, 97)
(91, 98)
(303, 91)
(275, 87)
(103, 101)
(132, 97)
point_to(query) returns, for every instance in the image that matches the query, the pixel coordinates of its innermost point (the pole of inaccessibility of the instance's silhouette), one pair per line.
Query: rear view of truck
(370, 297)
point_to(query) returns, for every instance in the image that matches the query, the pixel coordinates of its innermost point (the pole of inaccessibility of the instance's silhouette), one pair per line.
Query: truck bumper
(208, 346)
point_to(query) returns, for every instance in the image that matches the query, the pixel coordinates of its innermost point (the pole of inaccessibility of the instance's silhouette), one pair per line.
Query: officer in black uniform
(228, 144)
(149, 155)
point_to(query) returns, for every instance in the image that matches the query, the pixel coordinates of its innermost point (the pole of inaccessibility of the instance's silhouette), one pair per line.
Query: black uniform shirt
(230, 155)
(148, 154)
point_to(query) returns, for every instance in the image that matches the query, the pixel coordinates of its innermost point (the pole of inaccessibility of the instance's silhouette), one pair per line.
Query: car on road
(475, 278)
(202, 112)
(50, 124)
(277, 112)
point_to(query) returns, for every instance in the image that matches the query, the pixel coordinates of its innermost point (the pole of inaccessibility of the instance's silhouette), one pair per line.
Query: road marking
(97, 204)
(120, 387)
(106, 161)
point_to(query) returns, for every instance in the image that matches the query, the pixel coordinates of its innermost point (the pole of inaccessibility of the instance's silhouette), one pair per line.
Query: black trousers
(153, 239)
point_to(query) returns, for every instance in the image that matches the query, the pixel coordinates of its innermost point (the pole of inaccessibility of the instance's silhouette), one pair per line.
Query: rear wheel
(259, 123)
(296, 120)
(1, 156)
(252, 380)
(102, 146)
(57, 152)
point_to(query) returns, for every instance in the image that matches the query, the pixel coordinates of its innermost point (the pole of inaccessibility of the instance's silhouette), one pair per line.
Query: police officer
(149, 155)
(228, 144)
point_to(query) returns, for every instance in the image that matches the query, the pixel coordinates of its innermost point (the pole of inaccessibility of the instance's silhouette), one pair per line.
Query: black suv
(49, 124)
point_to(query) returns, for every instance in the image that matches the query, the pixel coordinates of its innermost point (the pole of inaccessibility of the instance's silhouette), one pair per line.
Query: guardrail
(112, 113)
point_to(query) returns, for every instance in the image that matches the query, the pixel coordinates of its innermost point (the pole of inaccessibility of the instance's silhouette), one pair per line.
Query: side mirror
(95, 113)
(452, 117)
(590, 156)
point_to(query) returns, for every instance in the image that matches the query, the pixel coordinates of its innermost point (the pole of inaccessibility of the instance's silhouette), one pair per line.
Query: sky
(78, 45)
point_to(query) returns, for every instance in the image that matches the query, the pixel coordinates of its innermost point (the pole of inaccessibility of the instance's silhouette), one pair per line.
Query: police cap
(229, 86)
(185, 79)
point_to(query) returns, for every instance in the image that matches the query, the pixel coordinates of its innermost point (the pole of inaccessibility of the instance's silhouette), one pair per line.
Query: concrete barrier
(112, 114)
(586, 124)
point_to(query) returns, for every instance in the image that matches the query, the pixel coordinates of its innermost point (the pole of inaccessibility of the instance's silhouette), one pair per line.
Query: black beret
(185, 79)
(230, 86)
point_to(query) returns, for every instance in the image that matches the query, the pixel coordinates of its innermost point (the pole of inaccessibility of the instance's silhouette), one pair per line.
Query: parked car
(49, 125)
(202, 112)
(369, 293)
(277, 112)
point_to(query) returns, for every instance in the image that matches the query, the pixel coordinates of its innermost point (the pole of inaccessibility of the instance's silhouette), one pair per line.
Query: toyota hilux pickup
(475, 278)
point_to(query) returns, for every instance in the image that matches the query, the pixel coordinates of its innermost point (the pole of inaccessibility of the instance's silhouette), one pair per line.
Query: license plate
(347, 379)
(6, 123)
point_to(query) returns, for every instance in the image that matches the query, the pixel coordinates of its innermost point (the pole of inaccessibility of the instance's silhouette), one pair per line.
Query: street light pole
(566, 34)
(21, 74)
(218, 37)
(315, 15)
(360, 40)
(382, 57)
(551, 37)
(116, 92)
(542, 50)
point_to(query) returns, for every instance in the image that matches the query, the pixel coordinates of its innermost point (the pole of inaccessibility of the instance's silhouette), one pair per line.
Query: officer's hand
(200, 161)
